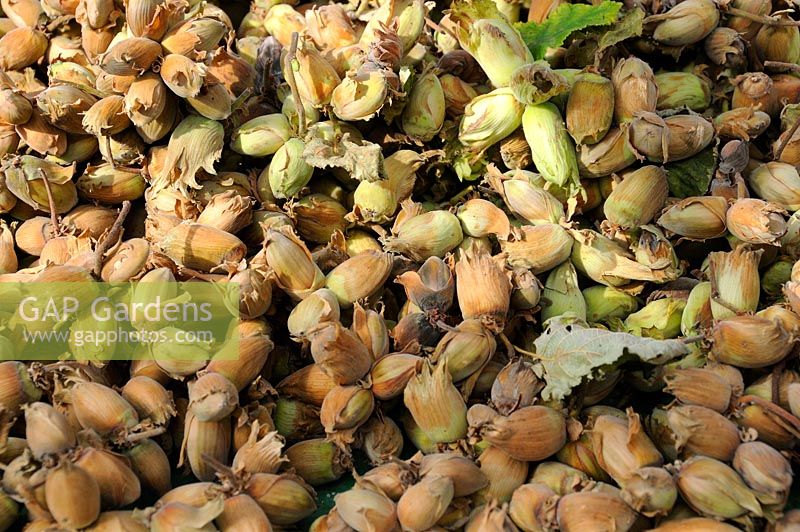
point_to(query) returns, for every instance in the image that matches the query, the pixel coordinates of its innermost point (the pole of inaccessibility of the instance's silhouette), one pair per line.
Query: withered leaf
(569, 351)
(364, 161)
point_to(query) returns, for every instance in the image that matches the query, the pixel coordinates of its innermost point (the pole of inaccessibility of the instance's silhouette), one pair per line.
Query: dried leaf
(363, 161)
(629, 25)
(569, 351)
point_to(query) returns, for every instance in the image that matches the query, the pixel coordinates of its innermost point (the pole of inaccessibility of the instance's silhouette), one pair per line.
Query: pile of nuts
(535, 286)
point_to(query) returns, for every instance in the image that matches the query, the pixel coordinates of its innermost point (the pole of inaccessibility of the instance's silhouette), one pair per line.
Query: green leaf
(691, 177)
(629, 25)
(565, 20)
(569, 351)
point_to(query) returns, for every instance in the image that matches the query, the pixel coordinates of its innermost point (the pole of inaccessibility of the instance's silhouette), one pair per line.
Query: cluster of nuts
(535, 287)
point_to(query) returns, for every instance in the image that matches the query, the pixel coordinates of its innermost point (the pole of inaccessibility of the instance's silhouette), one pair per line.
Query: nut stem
(52, 204)
(111, 238)
(290, 60)
(769, 21)
(786, 138)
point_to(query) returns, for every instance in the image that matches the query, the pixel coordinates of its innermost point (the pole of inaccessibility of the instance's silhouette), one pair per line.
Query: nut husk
(590, 510)
(436, 405)
(621, 446)
(701, 431)
(531, 433)
(713, 489)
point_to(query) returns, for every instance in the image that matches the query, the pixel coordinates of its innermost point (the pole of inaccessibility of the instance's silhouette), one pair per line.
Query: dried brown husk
(465, 349)
(228, 211)
(483, 288)
(260, 454)
(756, 221)
(391, 373)
(212, 397)
(533, 507)
(64, 106)
(381, 439)
(612, 153)
(516, 386)
(430, 287)
(744, 123)
(579, 455)
(756, 90)
(106, 116)
(61, 250)
(670, 139)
